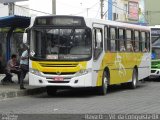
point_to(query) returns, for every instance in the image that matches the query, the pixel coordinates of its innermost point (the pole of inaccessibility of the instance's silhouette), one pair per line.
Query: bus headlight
(83, 72)
(35, 72)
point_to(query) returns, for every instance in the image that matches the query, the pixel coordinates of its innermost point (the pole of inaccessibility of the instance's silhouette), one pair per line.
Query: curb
(18, 93)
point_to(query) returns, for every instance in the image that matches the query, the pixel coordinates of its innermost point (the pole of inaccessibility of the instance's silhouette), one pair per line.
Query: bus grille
(62, 73)
(58, 81)
(153, 71)
(57, 65)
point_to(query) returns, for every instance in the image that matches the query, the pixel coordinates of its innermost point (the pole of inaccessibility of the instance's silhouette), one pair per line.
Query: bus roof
(156, 26)
(117, 24)
(90, 21)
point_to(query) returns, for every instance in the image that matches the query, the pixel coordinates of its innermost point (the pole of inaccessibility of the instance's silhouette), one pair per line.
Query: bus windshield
(61, 43)
(155, 53)
(156, 47)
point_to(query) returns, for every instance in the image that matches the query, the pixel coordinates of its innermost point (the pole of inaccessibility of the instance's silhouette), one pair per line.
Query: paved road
(144, 99)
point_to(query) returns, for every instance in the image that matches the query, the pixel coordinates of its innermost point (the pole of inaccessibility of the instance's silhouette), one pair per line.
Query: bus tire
(103, 89)
(134, 82)
(51, 91)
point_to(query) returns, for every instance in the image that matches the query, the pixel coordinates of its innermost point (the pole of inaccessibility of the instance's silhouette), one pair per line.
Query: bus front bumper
(155, 72)
(75, 82)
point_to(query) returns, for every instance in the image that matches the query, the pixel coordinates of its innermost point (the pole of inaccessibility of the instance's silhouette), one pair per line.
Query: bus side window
(148, 41)
(121, 38)
(147, 44)
(98, 42)
(136, 37)
(106, 38)
(129, 41)
(143, 42)
(113, 39)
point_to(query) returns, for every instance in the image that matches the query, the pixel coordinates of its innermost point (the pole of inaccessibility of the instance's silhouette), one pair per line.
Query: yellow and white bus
(72, 51)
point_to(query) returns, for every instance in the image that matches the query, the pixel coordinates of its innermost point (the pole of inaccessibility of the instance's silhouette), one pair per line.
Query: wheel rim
(134, 79)
(105, 81)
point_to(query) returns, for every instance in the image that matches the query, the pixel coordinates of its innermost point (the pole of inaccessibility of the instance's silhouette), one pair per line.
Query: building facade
(127, 11)
(152, 12)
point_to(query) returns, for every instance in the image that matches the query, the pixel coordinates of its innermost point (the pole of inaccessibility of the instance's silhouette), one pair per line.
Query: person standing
(1, 67)
(24, 66)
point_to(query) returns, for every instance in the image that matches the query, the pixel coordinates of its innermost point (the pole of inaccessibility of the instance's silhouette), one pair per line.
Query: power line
(68, 5)
(94, 5)
(33, 10)
(97, 12)
(79, 12)
(86, 8)
(105, 12)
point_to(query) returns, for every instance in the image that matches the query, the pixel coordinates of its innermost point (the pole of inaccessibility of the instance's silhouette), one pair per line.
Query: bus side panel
(145, 66)
(121, 66)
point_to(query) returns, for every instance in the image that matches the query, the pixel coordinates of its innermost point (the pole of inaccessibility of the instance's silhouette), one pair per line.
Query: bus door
(98, 54)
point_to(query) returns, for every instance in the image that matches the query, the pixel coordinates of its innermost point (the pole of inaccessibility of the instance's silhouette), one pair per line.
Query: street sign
(11, 1)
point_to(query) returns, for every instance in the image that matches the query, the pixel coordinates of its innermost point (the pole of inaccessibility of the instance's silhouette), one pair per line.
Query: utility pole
(11, 5)
(10, 9)
(87, 11)
(54, 7)
(102, 4)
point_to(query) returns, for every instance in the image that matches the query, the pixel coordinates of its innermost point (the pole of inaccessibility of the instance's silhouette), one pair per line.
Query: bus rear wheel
(104, 87)
(133, 84)
(51, 91)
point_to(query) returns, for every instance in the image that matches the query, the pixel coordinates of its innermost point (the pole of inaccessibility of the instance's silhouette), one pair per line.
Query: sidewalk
(12, 89)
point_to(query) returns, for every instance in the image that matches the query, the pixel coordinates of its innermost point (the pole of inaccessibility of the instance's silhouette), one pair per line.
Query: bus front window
(61, 44)
(155, 47)
(155, 53)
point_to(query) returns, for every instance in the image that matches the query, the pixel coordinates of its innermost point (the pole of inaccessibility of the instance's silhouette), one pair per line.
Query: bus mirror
(24, 38)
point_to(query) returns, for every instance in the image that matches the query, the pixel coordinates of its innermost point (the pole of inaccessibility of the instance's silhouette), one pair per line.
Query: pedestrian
(1, 67)
(24, 66)
(12, 67)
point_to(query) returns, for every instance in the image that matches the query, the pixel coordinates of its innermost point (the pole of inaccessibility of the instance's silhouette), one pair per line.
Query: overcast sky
(67, 7)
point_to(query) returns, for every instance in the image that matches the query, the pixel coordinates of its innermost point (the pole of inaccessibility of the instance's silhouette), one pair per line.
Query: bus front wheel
(104, 87)
(51, 91)
(133, 84)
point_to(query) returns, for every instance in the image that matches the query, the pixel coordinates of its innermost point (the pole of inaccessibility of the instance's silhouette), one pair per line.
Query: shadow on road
(92, 92)
(89, 92)
(153, 79)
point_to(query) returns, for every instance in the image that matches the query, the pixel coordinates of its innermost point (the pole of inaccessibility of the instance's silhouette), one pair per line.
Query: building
(127, 11)
(152, 11)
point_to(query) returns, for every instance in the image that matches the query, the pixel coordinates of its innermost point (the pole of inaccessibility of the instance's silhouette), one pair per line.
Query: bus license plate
(58, 78)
